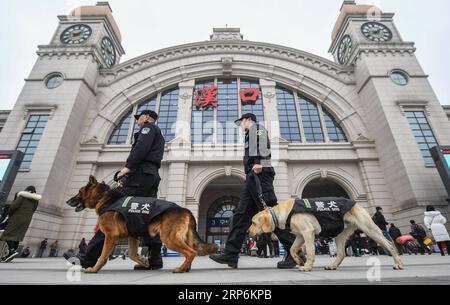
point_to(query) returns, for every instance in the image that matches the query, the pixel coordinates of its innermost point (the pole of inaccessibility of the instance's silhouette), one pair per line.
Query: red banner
(250, 95)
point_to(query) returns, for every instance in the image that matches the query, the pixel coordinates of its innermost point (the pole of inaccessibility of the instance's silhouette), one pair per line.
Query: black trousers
(249, 206)
(139, 184)
(276, 247)
(12, 245)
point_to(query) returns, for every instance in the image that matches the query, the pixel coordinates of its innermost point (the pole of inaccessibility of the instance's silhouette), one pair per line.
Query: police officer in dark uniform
(142, 173)
(139, 178)
(259, 181)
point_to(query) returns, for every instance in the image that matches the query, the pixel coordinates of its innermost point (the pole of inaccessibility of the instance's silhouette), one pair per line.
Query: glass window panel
(30, 138)
(311, 120)
(422, 132)
(202, 119)
(287, 115)
(168, 112)
(117, 137)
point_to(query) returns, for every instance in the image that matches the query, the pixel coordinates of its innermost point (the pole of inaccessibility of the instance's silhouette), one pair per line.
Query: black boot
(288, 261)
(75, 259)
(154, 264)
(226, 259)
(155, 261)
(10, 256)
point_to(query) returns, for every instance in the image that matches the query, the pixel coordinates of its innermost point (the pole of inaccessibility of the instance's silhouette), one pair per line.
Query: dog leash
(259, 192)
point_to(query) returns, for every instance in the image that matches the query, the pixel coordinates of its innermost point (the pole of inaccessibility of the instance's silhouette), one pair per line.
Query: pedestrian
(435, 222)
(25, 253)
(381, 222)
(395, 233)
(258, 188)
(418, 232)
(261, 244)
(42, 248)
(21, 213)
(82, 247)
(275, 245)
(54, 249)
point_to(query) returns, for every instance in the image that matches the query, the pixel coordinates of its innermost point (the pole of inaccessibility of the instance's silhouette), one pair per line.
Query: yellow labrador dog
(306, 219)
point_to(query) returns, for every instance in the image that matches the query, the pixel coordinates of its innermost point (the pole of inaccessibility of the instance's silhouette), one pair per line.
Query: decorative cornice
(224, 48)
(383, 49)
(34, 108)
(406, 105)
(68, 52)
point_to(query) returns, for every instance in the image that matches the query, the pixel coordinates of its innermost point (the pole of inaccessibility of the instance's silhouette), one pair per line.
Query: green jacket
(20, 216)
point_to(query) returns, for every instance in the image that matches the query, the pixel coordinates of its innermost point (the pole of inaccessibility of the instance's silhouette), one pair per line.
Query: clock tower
(402, 112)
(92, 29)
(56, 100)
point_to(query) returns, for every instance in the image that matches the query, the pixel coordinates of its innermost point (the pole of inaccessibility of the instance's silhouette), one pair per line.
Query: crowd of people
(265, 246)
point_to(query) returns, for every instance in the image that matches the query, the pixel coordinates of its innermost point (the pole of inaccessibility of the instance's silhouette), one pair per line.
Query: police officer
(145, 158)
(259, 179)
(140, 178)
(142, 173)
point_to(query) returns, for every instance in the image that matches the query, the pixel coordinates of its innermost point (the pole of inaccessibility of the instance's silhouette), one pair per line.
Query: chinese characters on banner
(207, 96)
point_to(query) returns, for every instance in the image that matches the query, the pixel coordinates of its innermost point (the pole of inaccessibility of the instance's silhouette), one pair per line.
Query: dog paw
(398, 267)
(90, 271)
(144, 263)
(305, 269)
(329, 268)
(180, 270)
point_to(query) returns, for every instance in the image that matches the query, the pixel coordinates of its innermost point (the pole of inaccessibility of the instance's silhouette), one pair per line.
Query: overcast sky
(149, 25)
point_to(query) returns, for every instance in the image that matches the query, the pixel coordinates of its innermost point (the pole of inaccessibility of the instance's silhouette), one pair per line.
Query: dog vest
(328, 211)
(138, 212)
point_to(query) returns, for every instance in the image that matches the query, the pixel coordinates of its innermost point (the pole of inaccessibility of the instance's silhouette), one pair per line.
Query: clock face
(108, 52)
(377, 32)
(76, 34)
(345, 50)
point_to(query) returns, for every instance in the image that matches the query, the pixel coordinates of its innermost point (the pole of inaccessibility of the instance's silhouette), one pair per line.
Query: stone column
(270, 107)
(183, 132)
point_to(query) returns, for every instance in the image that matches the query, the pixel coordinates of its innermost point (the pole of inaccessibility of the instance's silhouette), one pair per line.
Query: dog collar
(274, 218)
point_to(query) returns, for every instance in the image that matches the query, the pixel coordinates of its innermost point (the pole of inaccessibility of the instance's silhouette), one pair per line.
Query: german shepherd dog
(177, 228)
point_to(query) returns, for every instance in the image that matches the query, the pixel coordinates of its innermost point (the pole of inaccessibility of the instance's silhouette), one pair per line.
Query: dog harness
(138, 212)
(328, 211)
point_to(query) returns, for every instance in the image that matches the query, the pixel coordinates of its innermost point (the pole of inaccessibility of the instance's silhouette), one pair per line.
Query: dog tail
(198, 244)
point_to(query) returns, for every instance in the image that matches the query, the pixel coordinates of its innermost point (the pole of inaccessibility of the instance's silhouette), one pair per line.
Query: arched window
(317, 124)
(165, 104)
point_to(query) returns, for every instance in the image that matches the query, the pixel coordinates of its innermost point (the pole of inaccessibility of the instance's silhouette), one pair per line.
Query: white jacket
(435, 222)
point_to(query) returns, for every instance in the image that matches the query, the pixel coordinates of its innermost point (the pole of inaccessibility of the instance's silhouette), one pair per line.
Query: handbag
(428, 241)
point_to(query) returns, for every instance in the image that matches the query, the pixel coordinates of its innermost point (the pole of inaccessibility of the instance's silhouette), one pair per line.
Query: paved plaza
(433, 270)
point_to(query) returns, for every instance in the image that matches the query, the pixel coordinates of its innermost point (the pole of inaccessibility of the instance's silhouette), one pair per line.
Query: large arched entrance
(320, 187)
(217, 203)
(219, 219)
